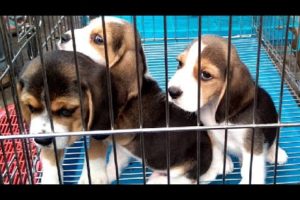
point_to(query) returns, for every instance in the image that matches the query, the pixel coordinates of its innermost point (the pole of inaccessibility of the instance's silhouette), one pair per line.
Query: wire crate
(181, 30)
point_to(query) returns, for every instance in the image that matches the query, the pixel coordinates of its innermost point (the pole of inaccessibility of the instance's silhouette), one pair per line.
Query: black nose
(174, 92)
(65, 38)
(44, 141)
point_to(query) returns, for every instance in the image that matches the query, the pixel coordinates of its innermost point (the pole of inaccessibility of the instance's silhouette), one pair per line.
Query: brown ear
(24, 109)
(241, 92)
(125, 73)
(295, 31)
(90, 109)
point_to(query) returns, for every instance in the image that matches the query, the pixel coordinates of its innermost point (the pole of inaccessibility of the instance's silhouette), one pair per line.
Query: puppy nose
(45, 141)
(174, 92)
(65, 38)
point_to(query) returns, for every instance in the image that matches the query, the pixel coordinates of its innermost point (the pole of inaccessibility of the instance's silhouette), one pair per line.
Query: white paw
(208, 177)
(98, 178)
(281, 159)
(158, 180)
(245, 181)
(228, 167)
(111, 173)
(48, 178)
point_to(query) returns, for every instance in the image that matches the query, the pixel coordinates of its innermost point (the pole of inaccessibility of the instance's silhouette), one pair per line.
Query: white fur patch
(82, 39)
(40, 124)
(184, 80)
(50, 173)
(97, 172)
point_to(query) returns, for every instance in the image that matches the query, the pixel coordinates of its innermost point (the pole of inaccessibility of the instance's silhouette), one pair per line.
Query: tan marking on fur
(64, 102)
(97, 149)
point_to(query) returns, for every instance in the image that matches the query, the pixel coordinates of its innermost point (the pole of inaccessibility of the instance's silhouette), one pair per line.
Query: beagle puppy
(183, 91)
(122, 63)
(120, 48)
(64, 104)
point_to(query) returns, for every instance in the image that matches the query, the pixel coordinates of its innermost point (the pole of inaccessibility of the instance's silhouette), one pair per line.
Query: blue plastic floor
(269, 79)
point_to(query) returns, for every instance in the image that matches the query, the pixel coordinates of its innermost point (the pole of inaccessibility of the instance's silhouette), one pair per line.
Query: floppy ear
(90, 109)
(24, 109)
(241, 92)
(125, 72)
(295, 32)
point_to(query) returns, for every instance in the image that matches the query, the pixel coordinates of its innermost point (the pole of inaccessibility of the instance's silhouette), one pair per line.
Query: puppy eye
(65, 112)
(98, 39)
(180, 64)
(32, 109)
(205, 76)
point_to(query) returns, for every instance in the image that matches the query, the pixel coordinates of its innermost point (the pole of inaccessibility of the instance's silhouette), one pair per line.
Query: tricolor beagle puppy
(183, 90)
(121, 50)
(64, 105)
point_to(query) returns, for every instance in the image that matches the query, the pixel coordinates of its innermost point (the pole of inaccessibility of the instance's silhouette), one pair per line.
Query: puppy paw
(99, 178)
(157, 179)
(228, 167)
(281, 159)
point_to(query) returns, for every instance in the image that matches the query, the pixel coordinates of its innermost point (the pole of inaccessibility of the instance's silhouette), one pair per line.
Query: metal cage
(267, 45)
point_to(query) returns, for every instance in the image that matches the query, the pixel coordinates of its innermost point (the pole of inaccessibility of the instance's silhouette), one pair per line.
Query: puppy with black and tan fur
(183, 91)
(183, 151)
(64, 105)
(121, 61)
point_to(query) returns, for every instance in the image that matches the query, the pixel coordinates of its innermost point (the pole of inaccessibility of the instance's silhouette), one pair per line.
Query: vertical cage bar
(84, 127)
(5, 161)
(139, 99)
(167, 97)
(10, 130)
(255, 96)
(45, 33)
(199, 97)
(227, 96)
(111, 114)
(47, 100)
(9, 55)
(281, 96)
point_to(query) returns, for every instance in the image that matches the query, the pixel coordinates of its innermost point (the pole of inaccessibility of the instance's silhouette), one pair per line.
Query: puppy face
(183, 87)
(64, 96)
(120, 48)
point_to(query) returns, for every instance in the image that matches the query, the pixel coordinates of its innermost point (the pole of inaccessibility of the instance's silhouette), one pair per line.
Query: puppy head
(64, 96)
(183, 87)
(120, 48)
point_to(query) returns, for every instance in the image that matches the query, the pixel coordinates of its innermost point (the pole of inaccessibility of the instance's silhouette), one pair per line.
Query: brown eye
(180, 64)
(98, 39)
(65, 112)
(205, 76)
(32, 109)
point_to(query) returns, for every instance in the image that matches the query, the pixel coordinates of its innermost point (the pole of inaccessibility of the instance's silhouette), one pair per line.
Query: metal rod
(10, 130)
(255, 95)
(7, 47)
(139, 98)
(110, 105)
(149, 130)
(227, 95)
(199, 97)
(47, 95)
(281, 96)
(82, 110)
(167, 98)
(5, 161)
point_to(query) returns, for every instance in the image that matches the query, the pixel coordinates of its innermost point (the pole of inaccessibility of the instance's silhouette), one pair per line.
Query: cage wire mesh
(19, 158)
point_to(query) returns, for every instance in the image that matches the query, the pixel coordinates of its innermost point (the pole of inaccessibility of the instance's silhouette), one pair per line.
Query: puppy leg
(160, 178)
(216, 166)
(97, 153)
(258, 168)
(50, 172)
(122, 159)
(282, 155)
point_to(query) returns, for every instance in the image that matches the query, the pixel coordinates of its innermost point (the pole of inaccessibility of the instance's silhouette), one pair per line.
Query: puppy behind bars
(122, 62)
(64, 104)
(183, 90)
